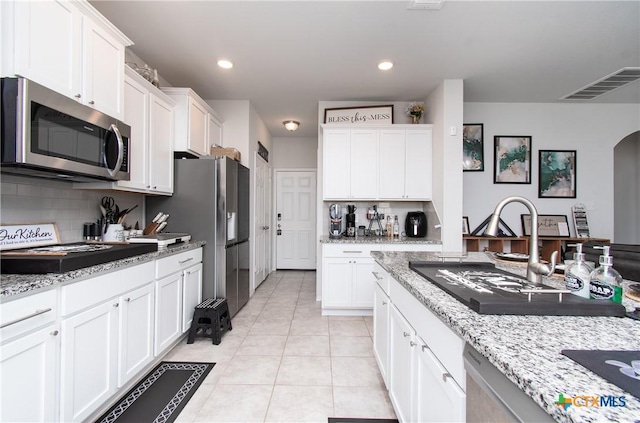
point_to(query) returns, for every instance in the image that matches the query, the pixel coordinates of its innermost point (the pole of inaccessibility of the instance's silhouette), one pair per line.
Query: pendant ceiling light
(291, 125)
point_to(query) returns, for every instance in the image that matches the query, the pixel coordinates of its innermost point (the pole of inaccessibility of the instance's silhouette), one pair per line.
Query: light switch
(453, 131)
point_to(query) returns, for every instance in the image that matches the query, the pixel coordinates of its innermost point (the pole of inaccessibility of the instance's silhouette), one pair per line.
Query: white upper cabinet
(336, 164)
(349, 163)
(68, 47)
(377, 162)
(405, 165)
(150, 113)
(103, 70)
(197, 125)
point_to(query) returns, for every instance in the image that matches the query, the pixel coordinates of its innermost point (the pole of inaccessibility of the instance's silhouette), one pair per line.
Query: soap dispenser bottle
(605, 282)
(577, 274)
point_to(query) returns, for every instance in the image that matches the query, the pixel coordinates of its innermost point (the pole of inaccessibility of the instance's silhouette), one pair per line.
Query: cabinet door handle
(413, 344)
(29, 316)
(445, 376)
(55, 333)
(352, 252)
(92, 102)
(424, 347)
(185, 261)
(378, 277)
(127, 299)
(116, 305)
(384, 303)
(406, 334)
(77, 96)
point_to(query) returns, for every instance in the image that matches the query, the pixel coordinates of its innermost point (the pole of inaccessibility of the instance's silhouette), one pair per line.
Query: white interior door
(295, 219)
(262, 248)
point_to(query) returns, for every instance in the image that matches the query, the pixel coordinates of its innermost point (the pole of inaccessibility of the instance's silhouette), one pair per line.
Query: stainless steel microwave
(45, 134)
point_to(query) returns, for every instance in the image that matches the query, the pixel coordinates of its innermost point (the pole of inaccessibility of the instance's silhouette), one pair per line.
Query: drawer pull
(424, 347)
(384, 303)
(378, 277)
(55, 333)
(445, 376)
(116, 305)
(127, 299)
(34, 314)
(352, 252)
(406, 334)
(185, 261)
(413, 344)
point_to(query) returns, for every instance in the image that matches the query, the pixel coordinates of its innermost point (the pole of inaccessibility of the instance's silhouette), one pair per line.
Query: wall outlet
(383, 205)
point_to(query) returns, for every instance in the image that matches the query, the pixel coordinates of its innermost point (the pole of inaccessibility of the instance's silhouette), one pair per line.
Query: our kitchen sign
(28, 235)
(362, 114)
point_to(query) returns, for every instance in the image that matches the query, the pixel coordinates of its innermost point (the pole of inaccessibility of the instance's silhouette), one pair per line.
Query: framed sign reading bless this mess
(362, 114)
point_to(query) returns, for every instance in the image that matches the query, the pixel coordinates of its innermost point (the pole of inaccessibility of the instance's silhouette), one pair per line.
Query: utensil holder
(114, 233)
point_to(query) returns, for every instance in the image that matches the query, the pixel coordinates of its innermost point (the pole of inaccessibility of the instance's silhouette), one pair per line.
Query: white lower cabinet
(347, 279)
(191, 294)
(67, 351)
(421, 387)
(381, 306)
(178, 291)
(136, 332)
(401, 365)
(439, 398)
(89, 360)
(168, 311)
(28, 366)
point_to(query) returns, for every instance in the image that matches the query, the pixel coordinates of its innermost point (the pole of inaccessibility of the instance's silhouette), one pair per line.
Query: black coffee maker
(351, 220)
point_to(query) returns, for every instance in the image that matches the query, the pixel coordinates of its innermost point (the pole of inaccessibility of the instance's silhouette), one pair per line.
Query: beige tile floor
(284, 362)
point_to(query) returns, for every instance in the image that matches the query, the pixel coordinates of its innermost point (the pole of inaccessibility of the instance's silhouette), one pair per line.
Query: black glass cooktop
(68, 257)
(622, 368)
(488, 290)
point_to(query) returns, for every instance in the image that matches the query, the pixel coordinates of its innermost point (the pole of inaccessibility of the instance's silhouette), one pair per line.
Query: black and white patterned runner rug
(161, 395)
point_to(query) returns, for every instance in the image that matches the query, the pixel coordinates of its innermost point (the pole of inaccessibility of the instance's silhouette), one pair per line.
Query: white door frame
(274, 216)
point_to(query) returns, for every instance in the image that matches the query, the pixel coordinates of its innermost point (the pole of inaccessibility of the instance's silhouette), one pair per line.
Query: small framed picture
(557, 174)
(465, 225)
(473, 147)
(553, 225)
(512, 159)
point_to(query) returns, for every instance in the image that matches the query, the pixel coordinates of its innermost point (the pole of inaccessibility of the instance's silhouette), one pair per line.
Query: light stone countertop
(377, 240)
(526, 349)
(22, 285)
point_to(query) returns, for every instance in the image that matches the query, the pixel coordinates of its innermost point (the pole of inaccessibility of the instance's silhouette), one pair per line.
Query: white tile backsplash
(33, 200)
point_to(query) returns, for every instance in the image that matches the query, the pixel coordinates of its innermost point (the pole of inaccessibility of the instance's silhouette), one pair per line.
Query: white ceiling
(289, 55)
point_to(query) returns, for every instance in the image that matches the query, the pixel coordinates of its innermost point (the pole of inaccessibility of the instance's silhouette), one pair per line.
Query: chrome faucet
(535, 269)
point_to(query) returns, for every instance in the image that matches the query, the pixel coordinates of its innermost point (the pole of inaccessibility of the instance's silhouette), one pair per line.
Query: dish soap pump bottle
(605, 281)
(577, 274)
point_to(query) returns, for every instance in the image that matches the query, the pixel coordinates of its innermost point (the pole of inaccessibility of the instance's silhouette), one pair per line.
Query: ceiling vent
(609, 83)
(425, 4)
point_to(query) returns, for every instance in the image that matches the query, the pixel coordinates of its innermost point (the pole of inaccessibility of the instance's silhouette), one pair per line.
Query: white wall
(591, 129)
(294, 152)
(235, 130)
(627, 190)
(443, 108)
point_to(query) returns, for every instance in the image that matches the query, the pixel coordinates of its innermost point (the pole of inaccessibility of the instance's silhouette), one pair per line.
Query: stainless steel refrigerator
(211, 202)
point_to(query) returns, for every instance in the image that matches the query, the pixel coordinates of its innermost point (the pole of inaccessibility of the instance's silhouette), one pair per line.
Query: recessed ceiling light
(385, 65)
(225, 64)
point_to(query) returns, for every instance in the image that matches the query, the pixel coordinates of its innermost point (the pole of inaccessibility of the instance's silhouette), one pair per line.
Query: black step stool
(210, 319)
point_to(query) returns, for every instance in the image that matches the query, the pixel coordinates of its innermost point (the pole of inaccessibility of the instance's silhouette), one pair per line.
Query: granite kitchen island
(525, 348)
